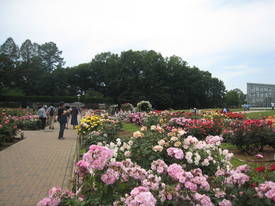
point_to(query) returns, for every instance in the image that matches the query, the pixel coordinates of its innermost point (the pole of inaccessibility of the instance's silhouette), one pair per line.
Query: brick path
(29, 168)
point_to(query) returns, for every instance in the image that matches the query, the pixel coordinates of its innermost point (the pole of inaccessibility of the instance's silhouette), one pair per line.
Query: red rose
(260, 169)
(272, 168)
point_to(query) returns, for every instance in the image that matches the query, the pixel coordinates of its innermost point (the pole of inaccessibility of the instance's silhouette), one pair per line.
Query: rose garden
(174, 158)
(141, 153)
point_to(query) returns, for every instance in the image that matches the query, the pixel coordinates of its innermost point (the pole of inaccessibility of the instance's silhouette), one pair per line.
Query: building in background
(260, 95)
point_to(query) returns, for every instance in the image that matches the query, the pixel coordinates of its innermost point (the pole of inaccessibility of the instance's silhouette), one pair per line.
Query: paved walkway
(29, 168)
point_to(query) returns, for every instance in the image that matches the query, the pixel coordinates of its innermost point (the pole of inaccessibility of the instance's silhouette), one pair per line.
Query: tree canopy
(131, 76)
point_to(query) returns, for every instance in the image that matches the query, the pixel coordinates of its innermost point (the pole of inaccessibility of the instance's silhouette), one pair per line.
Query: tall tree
(50, 56)
(10, 49)
(27, 51)
(232, 98)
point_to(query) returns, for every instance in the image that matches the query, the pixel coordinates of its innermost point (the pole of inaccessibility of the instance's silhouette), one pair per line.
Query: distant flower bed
(12, 121)
(251, 135)
(199, 128)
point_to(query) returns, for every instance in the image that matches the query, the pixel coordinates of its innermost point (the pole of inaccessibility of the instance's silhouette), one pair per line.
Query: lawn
(260, 115)
(127, 129)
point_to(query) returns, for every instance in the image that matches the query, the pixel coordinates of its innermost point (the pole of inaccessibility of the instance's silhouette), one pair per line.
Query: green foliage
(130, 127)
(142, 152)
(12, 92)
(234, 98)
(10, 49)
(50, 99)
(259, 115)
(127, 107)
(130, 77)
(51, 56)
(90, 93)
(251, 136)
(144, 106)
(151, 120)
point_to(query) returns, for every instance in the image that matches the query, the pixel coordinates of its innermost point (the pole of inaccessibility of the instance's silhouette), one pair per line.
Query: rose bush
(13, 120)
(251, 136)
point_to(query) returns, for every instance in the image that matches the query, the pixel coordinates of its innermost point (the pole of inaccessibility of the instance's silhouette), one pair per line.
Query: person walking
(74, 114)
(272, 105)
(62, 119)
(42, 116)
(50, 114)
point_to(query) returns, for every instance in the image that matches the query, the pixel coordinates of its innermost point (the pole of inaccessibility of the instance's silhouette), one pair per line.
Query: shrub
(151, 120)
(126, 107)
(11, 120)
(144, 106)
(199, 128)
(251, 136)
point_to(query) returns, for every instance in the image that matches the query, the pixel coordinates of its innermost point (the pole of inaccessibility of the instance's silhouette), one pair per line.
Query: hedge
(29, 100)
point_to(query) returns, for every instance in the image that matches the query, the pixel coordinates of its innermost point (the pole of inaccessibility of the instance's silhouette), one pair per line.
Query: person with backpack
(50, 114)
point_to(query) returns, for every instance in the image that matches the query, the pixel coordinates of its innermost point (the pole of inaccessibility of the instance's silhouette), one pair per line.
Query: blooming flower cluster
(137, 118)
(55, 195)
(182, 169)
(197, 127)
(88, 124)
(97, 157)
(13, 121)
(175, 152)
(140, 196)
(267, 189)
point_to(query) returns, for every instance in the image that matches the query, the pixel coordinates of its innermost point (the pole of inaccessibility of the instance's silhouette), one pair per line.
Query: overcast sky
(233, 39)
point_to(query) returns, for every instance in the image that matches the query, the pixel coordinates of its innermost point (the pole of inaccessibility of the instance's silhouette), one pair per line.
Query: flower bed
(251, 136)
(12, 121)
(199, 128)
(160, 167)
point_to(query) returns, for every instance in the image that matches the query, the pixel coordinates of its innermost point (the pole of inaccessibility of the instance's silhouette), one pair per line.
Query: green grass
(209, 109)
(228, 146)
(129, 127)
(236, 162)
(259, 115)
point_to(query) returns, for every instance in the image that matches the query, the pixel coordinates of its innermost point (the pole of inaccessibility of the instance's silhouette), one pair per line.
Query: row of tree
(132, 76)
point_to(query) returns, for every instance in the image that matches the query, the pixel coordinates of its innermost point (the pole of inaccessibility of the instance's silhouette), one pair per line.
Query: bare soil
(268, 155)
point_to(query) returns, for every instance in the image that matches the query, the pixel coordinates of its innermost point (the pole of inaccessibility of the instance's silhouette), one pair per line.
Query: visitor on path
(68, 117)
(50, 115)
(42, 116)
(62, 119)
(74, 114)
(224, 110)
(272, 105)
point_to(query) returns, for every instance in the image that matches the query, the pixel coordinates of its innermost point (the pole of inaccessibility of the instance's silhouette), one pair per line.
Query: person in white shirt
(42, 116)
